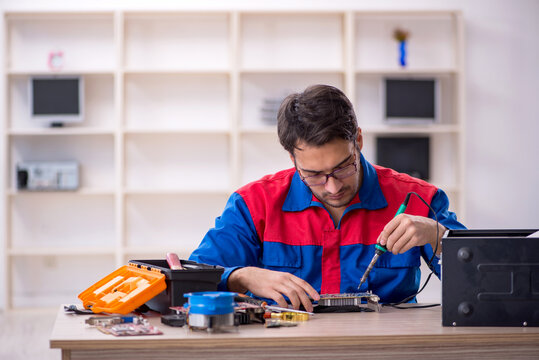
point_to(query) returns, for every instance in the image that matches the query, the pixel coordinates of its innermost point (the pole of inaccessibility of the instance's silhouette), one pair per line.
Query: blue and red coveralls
(276, 223)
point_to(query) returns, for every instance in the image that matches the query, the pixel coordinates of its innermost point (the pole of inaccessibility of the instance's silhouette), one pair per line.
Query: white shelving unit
(173, 123)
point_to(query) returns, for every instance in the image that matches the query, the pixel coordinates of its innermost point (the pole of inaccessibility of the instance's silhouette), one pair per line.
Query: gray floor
(25, 335)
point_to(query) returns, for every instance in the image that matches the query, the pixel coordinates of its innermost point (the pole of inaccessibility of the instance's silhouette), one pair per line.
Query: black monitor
(408, 155)
(411, 100)
(56, 100)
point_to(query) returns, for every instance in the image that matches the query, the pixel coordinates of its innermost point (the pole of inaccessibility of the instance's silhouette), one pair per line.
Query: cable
(429, 263)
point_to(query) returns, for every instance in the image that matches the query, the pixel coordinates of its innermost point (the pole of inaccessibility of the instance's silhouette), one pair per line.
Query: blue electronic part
(211, 302)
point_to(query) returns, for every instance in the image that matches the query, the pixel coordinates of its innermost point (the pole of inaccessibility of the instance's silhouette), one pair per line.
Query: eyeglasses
(339, 174)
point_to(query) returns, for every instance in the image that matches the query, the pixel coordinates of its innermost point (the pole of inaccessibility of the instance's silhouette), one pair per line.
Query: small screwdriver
(380, 249)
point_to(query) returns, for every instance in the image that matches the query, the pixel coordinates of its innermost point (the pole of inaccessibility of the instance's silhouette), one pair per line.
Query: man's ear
(359, 140)
(292, 159)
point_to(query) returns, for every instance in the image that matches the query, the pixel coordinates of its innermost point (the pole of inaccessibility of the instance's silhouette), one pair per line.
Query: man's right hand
(273, 285)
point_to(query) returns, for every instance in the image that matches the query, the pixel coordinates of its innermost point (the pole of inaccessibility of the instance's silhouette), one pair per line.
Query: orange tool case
(124, 290)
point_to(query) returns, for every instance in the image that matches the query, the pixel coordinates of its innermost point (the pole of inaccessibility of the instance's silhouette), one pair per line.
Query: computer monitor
(408, 155)
(56, 100)
(411, 100)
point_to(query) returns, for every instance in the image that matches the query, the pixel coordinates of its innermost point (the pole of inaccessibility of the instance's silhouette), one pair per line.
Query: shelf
(173, 161)
(431, 43)
(50, 220)
(182, 219)
(177, 40)
(177, 71)
(63, 131)
(411, 129)
(406, 71)
(176, 131)
(177, 192)
(257, 88)
(72, 71)
(291, 41)
(298, 70)
(177, 101)
(86, 41)
(262, 130)
(51, 280)
(99, 102)
(59, 251)
(180, 111)
(94, 154)
(83, 191)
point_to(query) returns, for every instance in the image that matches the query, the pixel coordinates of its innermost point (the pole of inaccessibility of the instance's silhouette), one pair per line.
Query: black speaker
(408, 155)
(411, 100)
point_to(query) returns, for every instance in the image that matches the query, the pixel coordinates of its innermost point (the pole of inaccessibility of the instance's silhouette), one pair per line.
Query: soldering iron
(380, 249)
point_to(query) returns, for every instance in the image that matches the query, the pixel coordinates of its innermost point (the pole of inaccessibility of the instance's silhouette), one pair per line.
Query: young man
(312, 229)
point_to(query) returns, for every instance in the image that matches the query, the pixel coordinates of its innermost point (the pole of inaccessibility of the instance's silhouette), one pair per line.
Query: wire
(429, 263)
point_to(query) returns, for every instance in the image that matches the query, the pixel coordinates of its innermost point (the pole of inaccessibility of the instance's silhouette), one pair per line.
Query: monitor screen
(408, 155)
(56, 99)
(410, 100)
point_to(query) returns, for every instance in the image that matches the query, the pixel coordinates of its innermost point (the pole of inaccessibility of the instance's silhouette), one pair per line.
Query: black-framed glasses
(339, 174)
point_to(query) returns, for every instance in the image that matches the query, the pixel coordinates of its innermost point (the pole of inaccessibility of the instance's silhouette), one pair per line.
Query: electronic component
(112, 320)
(211, 310)
(281, 309)
(290, 316)
(274, 323)
(130, 329)
(366, 301)
(246, 313)
(176, 320)
(73, 309)
(48, 175)
(123, 325)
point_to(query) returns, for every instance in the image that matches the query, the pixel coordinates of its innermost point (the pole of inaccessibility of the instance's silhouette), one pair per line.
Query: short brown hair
(316, 116)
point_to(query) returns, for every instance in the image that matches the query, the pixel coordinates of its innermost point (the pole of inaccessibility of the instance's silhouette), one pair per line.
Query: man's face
(328, 158)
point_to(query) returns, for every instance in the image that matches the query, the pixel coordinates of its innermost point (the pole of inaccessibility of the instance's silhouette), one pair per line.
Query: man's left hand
(407, 231)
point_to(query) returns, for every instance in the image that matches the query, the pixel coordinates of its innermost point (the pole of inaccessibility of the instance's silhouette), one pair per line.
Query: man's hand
(406, 231)
(273, 285)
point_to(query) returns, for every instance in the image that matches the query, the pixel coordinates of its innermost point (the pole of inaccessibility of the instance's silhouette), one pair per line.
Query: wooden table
(390, 334)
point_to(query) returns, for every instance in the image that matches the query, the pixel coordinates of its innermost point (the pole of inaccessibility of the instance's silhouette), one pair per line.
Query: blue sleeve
(440, 205)
(232, 243)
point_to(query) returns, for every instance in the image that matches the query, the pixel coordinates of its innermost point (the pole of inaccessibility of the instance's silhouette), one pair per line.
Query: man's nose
(333, 185)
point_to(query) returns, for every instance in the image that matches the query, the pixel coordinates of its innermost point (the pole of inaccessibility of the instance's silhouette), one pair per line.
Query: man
(311, 229)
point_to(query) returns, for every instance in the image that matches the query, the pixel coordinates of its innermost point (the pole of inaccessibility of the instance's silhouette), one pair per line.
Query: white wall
(502, 88)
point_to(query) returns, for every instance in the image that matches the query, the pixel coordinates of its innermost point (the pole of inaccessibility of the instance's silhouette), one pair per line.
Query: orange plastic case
(124, 290)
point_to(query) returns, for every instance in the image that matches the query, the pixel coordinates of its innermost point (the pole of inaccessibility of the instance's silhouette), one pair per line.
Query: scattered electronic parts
(73, 309)
(130, 330)
(123, 325)
(275, 323)
(365, 301)
(113, 320)
(281, 309)
(290, 316)
(48, 175)
(247, 313)
(175, 320)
